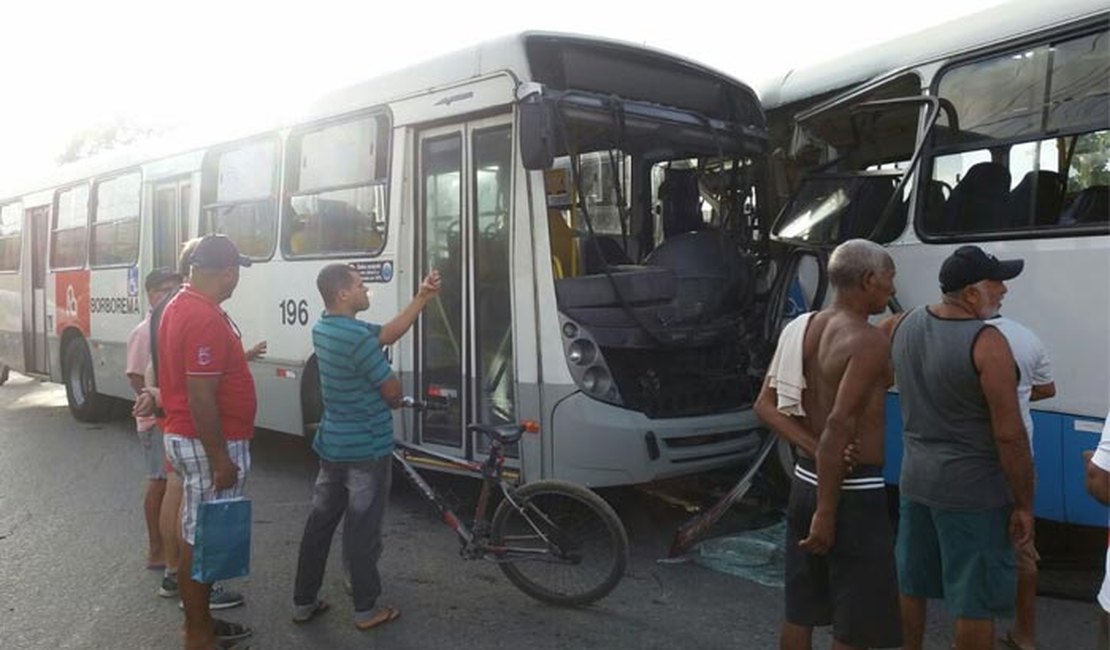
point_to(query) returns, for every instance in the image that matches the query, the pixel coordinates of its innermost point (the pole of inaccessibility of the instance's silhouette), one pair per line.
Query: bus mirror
(537, 135)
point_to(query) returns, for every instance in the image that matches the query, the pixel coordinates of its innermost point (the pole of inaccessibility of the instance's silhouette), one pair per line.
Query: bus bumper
(598, 444)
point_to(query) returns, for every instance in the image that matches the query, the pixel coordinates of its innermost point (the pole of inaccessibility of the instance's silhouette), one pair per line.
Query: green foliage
(106, 136)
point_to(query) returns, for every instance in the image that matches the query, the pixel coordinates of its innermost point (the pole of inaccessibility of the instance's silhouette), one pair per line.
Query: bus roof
(983, 29)
(516, 53)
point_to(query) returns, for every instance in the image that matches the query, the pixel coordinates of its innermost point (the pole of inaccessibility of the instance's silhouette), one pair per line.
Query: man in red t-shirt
(209, 400)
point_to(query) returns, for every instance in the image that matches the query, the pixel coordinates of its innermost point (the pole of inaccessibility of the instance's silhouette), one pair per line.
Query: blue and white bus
(994, 130)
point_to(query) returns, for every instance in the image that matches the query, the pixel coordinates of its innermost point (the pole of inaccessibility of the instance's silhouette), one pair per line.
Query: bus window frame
(931, 152)
(285, 207)
(54, 230)
(203, 226)
(94, 205)
(18, 237)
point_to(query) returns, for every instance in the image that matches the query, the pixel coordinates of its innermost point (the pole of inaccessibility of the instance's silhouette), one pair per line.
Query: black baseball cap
(217, 252)
(970, 264)
(160, 276)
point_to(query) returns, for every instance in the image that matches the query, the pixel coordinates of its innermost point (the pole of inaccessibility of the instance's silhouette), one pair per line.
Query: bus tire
(85, 403)
(4, 373)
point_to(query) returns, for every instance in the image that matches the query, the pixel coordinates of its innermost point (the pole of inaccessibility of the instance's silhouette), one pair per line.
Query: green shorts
(964, 557)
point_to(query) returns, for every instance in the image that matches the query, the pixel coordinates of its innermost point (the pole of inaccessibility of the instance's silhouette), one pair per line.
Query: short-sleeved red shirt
(196, 338)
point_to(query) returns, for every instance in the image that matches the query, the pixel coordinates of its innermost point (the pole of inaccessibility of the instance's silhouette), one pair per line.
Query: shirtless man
(840, 545)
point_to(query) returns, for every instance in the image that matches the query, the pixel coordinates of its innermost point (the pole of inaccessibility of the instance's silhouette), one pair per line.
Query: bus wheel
(4, 372)
(84, 402)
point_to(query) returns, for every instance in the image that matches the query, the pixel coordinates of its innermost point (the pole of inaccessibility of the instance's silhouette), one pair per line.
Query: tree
(118, 132)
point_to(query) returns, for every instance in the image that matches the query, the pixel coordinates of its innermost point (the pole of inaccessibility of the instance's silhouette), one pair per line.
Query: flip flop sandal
(228, 631)
(320, 607)
(1009, 642)
(378, 619)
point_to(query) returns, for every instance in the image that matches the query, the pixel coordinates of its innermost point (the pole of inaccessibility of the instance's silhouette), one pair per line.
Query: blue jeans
(360, 491)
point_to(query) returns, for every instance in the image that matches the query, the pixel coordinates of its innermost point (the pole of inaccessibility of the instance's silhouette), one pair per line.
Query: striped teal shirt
(357, 423)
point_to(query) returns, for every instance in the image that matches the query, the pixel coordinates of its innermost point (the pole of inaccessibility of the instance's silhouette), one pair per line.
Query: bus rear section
(1005, 146)
(648, 183)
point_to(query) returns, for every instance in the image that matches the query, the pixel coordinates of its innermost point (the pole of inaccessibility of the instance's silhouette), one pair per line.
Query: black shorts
(855, 587)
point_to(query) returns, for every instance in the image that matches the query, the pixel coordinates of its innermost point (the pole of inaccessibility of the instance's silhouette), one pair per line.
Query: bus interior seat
(564, 248)
(1092, 205)
(1037, 199)
(680, 202)
(933, 213)
(600, 251)
(980, 201)
(863, 212)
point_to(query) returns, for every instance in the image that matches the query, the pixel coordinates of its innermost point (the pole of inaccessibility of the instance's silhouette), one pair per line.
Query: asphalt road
(72, 551)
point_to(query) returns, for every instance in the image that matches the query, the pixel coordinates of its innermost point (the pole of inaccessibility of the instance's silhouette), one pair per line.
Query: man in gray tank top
(967, 470)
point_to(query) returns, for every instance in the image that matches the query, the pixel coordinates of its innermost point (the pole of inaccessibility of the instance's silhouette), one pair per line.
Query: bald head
(853, 260)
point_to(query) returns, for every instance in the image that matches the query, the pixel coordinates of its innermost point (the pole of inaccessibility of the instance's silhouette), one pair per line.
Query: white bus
(593, 208)
(994, 130)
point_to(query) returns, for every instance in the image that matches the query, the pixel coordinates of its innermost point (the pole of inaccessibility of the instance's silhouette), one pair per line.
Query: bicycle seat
(505, 434)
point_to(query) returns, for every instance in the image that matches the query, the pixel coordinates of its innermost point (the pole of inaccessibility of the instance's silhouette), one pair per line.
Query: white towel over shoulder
(786, 374)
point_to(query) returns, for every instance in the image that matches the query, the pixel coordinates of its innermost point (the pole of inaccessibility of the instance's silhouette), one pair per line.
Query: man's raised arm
(400, 324)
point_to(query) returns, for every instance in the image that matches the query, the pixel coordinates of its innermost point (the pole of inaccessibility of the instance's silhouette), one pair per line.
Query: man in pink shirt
(159, 283)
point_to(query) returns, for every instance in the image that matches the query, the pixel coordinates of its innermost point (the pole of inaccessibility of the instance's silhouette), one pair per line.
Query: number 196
(294, 312)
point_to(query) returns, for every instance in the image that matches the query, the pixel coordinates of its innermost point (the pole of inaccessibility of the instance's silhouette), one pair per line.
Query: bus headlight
(581, 352)
(596, 380)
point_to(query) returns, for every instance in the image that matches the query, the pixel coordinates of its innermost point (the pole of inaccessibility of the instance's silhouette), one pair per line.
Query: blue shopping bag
(222, 546)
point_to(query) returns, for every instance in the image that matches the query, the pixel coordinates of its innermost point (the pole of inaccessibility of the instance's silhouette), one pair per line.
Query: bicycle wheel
(564, 544)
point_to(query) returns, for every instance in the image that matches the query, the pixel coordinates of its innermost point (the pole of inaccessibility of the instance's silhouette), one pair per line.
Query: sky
(68, 66)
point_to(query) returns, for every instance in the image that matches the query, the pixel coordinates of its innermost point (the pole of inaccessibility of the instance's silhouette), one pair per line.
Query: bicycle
(556, 541)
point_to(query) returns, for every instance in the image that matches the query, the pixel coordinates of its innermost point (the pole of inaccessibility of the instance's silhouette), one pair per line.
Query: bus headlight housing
(587, 363)
(581, 352)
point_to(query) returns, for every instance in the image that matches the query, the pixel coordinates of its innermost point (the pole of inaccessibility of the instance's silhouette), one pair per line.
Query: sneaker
(168, 588)
(220, 598)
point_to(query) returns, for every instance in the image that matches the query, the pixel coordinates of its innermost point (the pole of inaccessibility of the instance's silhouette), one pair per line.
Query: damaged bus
(595, 209)
(992, 130)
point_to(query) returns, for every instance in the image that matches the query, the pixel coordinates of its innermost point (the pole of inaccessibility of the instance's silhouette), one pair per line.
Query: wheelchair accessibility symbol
(133, 281)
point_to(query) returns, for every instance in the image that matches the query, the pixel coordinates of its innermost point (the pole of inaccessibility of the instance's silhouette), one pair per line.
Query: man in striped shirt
(354, 441)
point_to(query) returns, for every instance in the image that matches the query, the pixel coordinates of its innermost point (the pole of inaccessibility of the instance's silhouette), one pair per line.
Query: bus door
(171, 211)
(34, 292)
(464, 340)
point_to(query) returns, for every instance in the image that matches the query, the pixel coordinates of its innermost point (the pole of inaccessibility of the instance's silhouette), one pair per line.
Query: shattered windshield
(833, 208)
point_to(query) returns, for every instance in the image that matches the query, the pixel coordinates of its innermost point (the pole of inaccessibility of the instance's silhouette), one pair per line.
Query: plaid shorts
(189, 461)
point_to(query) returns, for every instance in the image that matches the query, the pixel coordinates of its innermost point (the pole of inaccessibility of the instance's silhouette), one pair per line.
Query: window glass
(337, 197)
(1032, 145)
(492, 152)
(239, 187)
(1022, 186)
(69, 241)
(247, 172)
(11, 224)
(338, 155)
(115, 231)
(1080, 95)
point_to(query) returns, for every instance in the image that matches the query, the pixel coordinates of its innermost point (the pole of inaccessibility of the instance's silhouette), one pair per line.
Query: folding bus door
(464, 340)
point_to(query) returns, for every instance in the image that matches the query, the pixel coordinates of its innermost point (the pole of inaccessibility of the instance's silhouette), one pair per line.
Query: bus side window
(68, 240)
(239, 195)
(11, 220)
(336, 179)
(115, 220)
(1033, 141)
